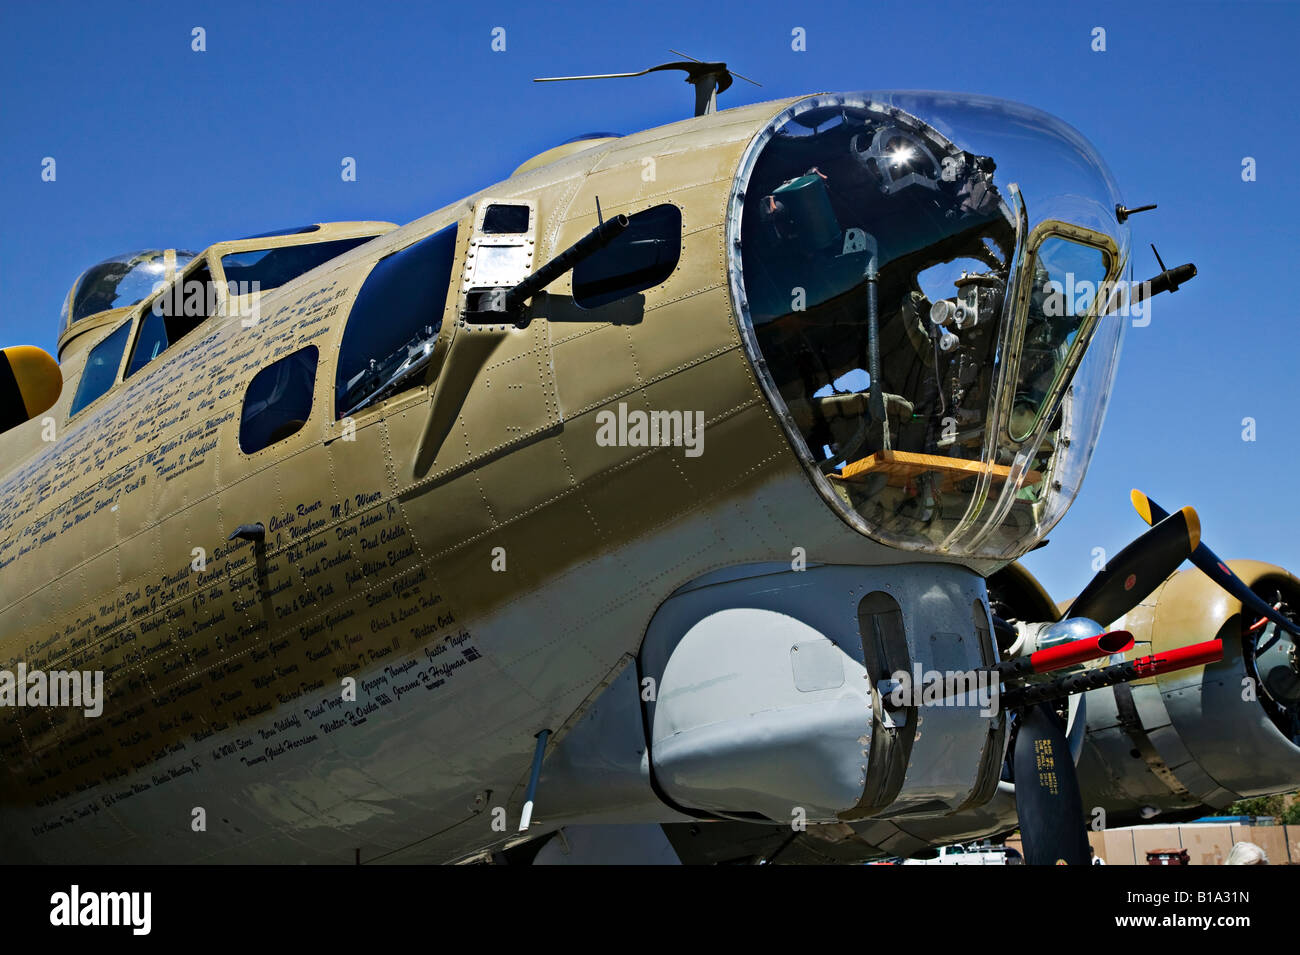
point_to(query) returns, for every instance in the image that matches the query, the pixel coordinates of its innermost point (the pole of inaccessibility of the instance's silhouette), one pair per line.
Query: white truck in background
(970, 855)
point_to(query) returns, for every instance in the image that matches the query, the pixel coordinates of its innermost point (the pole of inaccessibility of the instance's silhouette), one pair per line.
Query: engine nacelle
(1205, 736)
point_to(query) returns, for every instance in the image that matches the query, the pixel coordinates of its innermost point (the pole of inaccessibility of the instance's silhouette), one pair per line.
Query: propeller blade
(739, 76)
(1047, 791)
(1139, 568)
(1216, 569)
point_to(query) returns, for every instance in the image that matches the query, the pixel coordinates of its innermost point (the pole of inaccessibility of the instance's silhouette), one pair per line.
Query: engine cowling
(1206, 736)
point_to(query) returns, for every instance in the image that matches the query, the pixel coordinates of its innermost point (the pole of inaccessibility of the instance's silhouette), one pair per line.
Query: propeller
(1047, 791)
(1141, 567)
(1048, 803)
(1214, 568)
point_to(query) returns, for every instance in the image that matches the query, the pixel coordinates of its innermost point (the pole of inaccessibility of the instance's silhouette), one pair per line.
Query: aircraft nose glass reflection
(916, 327)
(120, 281)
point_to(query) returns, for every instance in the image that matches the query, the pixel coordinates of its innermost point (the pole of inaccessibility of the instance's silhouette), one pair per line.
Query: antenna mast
(709, 79)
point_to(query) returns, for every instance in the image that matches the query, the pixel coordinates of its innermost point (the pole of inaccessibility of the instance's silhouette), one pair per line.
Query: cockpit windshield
(920, 275)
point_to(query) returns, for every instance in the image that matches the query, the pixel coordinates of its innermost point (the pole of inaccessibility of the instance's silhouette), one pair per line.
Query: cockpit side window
(101, 368)
(1069, 278)
(278, 401)
(149, 344)
(180, 309)
(390, 333)
(642, 257)
(260, 270)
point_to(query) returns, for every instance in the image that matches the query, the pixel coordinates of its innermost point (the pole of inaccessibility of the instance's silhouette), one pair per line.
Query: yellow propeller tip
(1193, 526)
(1142, 505)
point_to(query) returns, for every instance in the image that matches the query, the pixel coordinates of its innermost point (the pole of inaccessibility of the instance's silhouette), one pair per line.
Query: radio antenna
(709, 79)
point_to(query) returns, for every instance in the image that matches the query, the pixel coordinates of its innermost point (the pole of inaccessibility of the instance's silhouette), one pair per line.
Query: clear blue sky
(157, 145)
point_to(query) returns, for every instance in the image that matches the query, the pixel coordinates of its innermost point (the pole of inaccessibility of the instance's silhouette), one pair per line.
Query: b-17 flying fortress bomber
(662, 501)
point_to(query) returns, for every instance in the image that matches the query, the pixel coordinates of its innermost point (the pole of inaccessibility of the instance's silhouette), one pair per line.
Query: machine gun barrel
(1167, 281)
(1180, 658)
(1066, 654)
(592, 242)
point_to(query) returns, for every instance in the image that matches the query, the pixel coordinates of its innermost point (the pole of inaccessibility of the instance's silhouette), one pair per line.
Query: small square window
(503, 219)
(278, 401)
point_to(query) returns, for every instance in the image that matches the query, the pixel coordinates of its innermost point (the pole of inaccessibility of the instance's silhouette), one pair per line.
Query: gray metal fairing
(763, 702)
